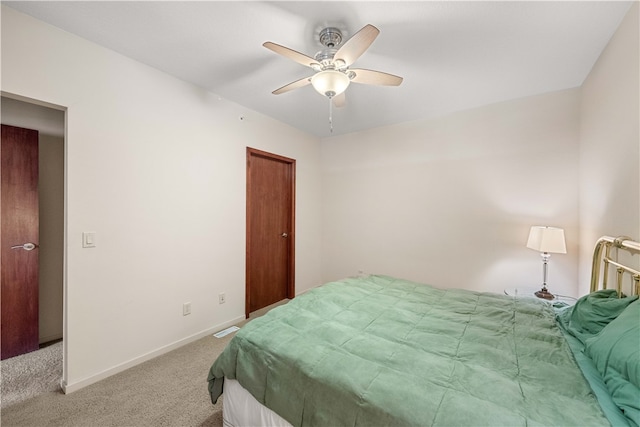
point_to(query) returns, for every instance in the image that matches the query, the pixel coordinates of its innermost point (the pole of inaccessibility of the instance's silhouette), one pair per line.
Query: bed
(380, 350)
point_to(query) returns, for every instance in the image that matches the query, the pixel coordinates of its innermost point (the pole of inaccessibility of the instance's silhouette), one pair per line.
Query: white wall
(156, 167)
(610, 144)
(450, 201)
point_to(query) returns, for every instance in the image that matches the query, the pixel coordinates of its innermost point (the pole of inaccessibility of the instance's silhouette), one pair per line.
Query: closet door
(270, 256)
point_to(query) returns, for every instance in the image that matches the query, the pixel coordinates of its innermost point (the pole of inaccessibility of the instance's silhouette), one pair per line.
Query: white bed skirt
(241, 409)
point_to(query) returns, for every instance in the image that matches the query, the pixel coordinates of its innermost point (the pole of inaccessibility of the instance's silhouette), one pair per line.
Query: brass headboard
(602, 256)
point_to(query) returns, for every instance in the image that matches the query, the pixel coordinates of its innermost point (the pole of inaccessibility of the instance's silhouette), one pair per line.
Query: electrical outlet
(222, 298)
(186, 308)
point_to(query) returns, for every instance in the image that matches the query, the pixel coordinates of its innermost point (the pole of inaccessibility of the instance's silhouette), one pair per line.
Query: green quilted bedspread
(383, 351)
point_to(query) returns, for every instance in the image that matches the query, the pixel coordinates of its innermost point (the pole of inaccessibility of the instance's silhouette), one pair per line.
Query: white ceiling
(453, 55)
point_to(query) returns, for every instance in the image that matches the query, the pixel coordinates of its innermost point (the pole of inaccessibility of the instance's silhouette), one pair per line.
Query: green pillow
(593, 312)
(615, 352)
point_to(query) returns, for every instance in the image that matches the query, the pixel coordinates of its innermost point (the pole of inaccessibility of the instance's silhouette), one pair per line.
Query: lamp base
(544, 294)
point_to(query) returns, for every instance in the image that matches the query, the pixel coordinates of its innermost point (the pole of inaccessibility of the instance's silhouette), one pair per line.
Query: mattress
(240, 408)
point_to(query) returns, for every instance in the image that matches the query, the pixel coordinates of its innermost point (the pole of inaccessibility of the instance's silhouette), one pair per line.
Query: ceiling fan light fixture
(330, 83)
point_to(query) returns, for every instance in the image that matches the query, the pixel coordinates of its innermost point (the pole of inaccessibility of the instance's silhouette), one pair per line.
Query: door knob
(285, 235)
(25, 246)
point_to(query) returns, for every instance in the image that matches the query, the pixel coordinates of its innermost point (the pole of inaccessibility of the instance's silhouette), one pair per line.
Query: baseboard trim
(70, 388)
(49, 338)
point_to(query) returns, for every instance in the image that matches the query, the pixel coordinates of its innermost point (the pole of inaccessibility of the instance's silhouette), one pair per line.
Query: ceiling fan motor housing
(325, 55)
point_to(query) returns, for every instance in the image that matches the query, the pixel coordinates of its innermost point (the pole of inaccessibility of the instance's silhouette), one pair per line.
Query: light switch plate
(89, 239)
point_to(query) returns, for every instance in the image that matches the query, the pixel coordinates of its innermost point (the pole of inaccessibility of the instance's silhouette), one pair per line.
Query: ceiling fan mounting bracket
(330, 37)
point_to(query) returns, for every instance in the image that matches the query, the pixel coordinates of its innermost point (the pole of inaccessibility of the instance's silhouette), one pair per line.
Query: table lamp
(546, 240)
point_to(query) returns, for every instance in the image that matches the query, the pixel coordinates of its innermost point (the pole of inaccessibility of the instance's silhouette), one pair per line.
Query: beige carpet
(170, 390)
(31, 374)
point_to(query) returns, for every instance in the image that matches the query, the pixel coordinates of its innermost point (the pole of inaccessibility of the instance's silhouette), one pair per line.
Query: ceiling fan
(331, 64)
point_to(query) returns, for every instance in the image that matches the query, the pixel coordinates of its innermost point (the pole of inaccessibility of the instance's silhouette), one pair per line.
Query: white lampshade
(330, 82)
(547, 239)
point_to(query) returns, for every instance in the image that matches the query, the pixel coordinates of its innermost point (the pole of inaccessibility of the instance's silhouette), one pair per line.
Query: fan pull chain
(330, 115)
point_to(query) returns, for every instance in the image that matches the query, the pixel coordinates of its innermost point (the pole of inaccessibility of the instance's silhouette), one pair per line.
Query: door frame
(291, 267)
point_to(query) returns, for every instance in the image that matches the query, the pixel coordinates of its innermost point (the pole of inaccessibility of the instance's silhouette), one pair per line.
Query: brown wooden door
(270, 229)
(19, 219)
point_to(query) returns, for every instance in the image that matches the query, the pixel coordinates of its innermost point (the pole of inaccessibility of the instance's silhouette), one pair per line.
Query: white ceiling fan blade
(356, 45)
(370, 77)
(293, 85)
(339, 101)
(300, 58)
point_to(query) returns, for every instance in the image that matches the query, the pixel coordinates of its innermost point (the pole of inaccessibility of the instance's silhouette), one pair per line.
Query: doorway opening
(49, 122)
